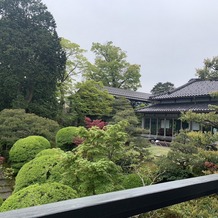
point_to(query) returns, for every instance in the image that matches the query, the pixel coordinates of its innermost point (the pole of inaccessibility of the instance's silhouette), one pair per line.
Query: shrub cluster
(38, 194)
(26, 149)
(66, 137)
(16, 124)
(46, 167)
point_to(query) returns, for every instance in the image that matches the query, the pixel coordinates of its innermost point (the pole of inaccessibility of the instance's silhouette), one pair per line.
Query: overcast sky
(169, 38)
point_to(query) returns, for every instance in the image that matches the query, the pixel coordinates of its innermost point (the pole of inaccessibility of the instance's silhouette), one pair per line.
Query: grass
(157, 151)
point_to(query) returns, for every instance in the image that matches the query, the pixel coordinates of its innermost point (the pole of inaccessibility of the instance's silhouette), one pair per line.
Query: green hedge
(26, 149)
(37, 195)
(44, 168)
(65, 137)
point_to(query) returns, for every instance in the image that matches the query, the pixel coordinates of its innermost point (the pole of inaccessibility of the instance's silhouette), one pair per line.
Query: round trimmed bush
(65, 137)
(26, 149)
(37, 195)
(50, 152)
(42, 169)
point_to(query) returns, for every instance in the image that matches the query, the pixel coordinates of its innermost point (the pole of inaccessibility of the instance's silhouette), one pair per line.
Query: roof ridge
(129, 90)
(193, 80)
(178, 88)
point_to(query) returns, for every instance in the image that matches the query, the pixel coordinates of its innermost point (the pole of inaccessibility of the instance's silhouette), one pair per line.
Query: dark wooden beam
(124, 203)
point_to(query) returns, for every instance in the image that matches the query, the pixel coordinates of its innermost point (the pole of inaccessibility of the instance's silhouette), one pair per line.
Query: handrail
(124, 203)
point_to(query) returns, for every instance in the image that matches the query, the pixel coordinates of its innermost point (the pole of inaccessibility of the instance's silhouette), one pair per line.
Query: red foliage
(90, 123)
(77, 141)
(2, 160)
(211, 166)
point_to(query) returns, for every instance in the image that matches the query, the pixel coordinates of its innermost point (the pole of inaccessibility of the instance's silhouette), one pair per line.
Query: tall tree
(112, 69)
(160, 88)
(210, 69)
(31, 58)
(76, 63)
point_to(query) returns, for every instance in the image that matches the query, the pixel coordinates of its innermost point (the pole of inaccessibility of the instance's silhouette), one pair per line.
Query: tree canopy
(160, 88)
(91, 99)
(112, 68)
(210, 69)
(31, 58)
(76, 62)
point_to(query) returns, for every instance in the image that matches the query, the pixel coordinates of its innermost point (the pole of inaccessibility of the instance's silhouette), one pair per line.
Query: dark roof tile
(193, 88)
(129, 94)
(162, 108)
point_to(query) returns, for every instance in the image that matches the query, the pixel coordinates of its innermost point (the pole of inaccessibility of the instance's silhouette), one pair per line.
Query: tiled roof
(193, 88)
(129, 94)
(162, 108)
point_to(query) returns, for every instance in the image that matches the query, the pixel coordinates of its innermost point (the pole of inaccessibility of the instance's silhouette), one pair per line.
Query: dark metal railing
(124, 203)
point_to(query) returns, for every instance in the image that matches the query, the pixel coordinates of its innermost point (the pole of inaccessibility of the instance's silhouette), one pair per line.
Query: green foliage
(206, 207)
(210, 69)
(26, 149)
(91, 99)
(112, 69)
(50, 152)
(131, 181)
(94, 177)
(65, 137)
(1, 201)
(210, 161)
(161, 213)
(31, 57)
(16, 124)
(210, 156)
(92, 165)
(206, 119)
(122, 110)
(135, 145)
(103, 143)
(161, 88)
(38, 194)
(188, 157)
(75, 65)
(201, 139)
(97, 165)
(46, 167)
(182, 161)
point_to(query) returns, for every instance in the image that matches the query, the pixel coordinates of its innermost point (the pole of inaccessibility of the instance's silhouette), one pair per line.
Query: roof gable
(193, 88)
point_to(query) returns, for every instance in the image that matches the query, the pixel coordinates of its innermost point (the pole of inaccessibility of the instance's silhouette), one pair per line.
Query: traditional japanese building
(133, 96)
(161, 118)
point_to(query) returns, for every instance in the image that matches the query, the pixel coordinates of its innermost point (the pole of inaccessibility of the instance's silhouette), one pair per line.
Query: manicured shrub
(42, 169)
(37, 195)
(50, 152)
(65, 137)
(26, 149)
(16, 124)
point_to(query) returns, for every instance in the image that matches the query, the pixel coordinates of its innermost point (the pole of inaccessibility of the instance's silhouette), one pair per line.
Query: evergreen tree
(31, 58)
